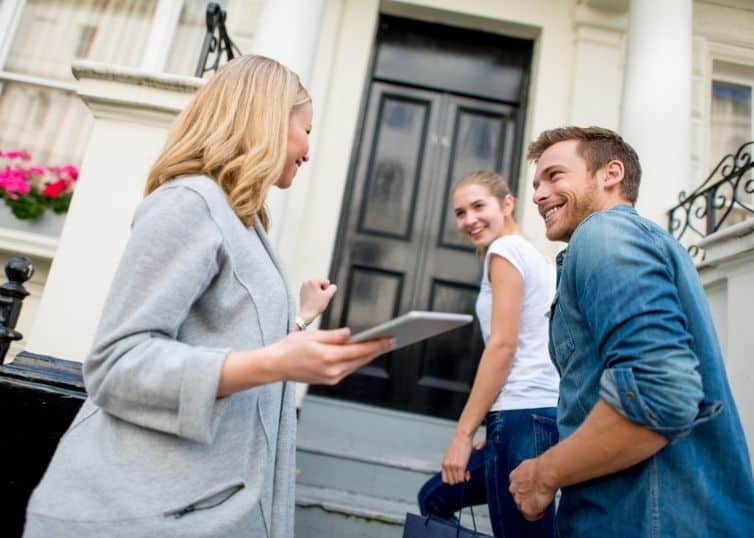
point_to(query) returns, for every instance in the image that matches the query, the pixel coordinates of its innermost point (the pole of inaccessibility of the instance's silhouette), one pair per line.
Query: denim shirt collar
(560, 258)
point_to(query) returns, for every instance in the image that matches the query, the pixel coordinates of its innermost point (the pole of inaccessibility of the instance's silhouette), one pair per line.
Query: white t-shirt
(533, 380)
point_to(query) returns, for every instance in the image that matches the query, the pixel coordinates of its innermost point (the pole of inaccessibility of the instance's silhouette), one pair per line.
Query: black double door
(398, 248)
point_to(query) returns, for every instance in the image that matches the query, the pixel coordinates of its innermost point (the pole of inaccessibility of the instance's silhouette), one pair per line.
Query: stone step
(362, 467)
(368, 450)
(359, 474)
(341, 514)
(375, 433)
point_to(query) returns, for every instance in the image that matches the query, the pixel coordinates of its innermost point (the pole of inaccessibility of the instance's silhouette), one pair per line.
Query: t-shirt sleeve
(509, 249)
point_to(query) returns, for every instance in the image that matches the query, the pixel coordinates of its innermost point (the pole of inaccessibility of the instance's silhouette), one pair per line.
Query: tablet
(414, 327)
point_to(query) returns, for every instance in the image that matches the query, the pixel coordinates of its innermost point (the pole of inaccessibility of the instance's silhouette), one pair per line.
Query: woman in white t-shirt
(515, 390)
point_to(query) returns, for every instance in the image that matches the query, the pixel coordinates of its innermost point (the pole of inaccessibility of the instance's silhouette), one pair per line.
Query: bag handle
(460, 512)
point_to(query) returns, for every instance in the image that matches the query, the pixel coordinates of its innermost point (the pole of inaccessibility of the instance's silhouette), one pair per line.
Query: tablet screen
(414, 327)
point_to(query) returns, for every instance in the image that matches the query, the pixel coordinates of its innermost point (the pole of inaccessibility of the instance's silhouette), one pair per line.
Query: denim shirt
(630, 325)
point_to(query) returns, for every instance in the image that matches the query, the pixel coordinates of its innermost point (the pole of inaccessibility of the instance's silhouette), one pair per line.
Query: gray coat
(153, 452)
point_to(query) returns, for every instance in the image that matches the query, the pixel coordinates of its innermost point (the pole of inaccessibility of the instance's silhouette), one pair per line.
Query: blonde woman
(515, 390)
(189, 428)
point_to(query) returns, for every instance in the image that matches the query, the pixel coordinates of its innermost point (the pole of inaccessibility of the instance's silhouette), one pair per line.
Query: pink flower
(71, 172)
(55, 189)
(35, 171)
(13, 182)
(17, 154)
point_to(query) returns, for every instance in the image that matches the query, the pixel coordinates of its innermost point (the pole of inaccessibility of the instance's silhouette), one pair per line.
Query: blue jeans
(512, 436)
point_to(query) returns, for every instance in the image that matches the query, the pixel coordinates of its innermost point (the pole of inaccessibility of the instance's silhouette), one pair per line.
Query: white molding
(613, 6)
(724, 24)
(9, 76)
(133, 95)
(745, 5)
(728, 246)
(29, 244)
(86, 69)
(617, 22)
(730, 53)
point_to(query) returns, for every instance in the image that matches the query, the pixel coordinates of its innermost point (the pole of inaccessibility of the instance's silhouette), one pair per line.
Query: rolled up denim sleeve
(627, 294)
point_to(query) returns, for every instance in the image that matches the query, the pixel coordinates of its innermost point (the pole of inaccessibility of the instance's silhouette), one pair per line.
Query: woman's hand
(314, 297)
(456, 459)
(324, 357)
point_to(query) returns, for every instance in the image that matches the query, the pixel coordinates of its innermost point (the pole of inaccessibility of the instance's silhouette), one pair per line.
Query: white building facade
(675, 77)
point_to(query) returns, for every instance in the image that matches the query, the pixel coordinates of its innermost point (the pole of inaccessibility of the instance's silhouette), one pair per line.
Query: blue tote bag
(430, 526)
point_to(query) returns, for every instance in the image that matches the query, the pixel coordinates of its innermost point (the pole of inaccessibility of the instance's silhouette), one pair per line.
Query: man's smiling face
(565, 192)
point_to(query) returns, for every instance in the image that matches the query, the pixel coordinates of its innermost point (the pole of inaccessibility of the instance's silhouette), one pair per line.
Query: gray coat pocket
(212, 499)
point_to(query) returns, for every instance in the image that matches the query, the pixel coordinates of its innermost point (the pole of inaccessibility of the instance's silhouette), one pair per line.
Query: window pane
(54, 32)
(189, 35)
(731, 118)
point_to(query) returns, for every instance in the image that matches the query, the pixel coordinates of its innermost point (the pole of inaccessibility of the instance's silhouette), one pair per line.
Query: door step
(341, 514)
(357, 505)
(362, 468)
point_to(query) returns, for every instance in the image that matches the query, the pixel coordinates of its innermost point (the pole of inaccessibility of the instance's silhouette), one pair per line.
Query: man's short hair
(597, 146)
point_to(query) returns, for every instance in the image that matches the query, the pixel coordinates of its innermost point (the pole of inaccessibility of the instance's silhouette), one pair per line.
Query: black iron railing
(12, 293)
(724, 198)
(216, 41)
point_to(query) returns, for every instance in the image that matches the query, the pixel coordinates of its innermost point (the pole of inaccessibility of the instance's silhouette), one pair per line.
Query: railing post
(710, 201)
(218, 44)
(12, 293)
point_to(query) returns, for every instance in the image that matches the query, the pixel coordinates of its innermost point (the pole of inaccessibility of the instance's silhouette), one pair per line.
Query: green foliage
(34, 204)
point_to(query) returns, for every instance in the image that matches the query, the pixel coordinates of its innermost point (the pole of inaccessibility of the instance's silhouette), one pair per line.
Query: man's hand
(529, 489)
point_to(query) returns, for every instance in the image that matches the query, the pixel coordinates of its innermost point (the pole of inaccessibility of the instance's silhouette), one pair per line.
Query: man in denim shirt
(651, 443)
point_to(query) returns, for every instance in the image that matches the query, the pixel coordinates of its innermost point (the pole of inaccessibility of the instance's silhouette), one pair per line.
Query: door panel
(481, 139)
(392, 180)
(476, 135)
(378, 262)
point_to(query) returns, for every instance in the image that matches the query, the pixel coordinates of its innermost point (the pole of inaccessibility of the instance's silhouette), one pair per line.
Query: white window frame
(157, 50)
(729, 54)
(740, 80)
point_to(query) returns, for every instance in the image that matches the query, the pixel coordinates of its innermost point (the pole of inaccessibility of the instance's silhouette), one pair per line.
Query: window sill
(27, 243)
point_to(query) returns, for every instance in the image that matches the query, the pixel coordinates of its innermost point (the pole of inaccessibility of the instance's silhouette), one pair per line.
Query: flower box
(34, 198)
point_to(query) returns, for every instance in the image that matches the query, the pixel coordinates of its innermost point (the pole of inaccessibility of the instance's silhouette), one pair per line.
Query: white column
(288, 31)
(656, 112)
(10, 17)
(132, 110)
(161, 35)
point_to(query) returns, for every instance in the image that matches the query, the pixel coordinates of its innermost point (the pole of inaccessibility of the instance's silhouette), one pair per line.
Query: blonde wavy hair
(235, 130)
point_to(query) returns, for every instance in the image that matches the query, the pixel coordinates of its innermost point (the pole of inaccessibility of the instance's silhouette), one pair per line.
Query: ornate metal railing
(216, 41)
(725, 197)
